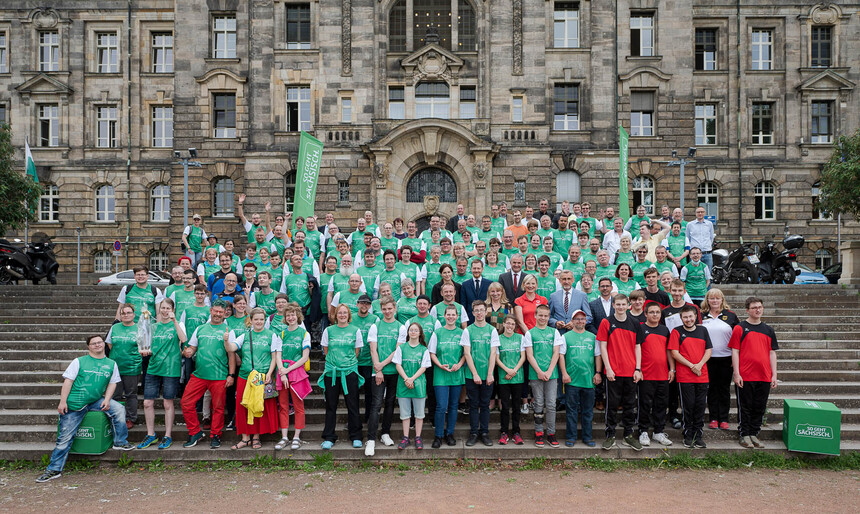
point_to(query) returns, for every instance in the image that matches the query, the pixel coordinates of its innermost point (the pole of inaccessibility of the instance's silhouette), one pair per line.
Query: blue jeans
(580, 400)
(70, 422)
(708, 259)
(479, 406)
(446, 403)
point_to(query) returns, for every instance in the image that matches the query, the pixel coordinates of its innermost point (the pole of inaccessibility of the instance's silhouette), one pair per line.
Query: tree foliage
(840, 178)
(17, 190)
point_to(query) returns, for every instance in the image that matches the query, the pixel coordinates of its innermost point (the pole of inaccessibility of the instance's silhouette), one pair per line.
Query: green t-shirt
(592, 224)
(141, 298)
(448, 351)
(493, 273)
(406, 309)
(266, 301)
(411, 271)
(313, 240)
(696, 282)
(172, 288)
(486, 235)
(604, 271)
(562, 239)
(387, 337)
(166, 359)
(411, 358)
(576, 268)
(277, 278)
(341, 346)
(579, 358)
(639, 269)
(209, 269)
(363, 324)
(510, 349)
(297, 288)
(433, 276)
(349, 299)
(294, 343)
(211, 357)
(460, 278)
(253, 230)
(428, 324)
(391, 278)
(263, 344)
(593, 295)
(277, 324)
(91, 382)
(635, 221)
(195, 317)
(498, 225)
(182, 300)
(358, 241)
(543, 340)
(195, 239)
(390, 243)
(546, 285)
(625, 288)
(677, 245)
(236, 323)
(368, 276)
(481, 341)
(440, 313)
(280, 244)
(664, 266)
(124, 349)
(624, 257)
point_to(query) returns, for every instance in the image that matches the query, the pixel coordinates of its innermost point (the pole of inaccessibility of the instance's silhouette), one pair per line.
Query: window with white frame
(468, 102)
(762, 123)
(290, 190)
(49, 50)
(222, 197)
(159, 261)
(159, 203)
(298, 108)
(4, 52)
(765, 201)
(432, 100)
(224, 36)
(566, 25)
(817, 212)
(49, 203)
(707, 194)
(642, 113)
(762, 49)
(105, 203)
(49, 125)
(396, 103)
(346, 109)
(821, 50)
(102, 262)
(565, 107)
(107, 52)
(517, 109)
(823, 259)
(822, 122)
(162, 126)
(519, 192)
(642, 35)
(224, 115)
(706, 124)
(298, 26)
(106, 126)
(4, 113)
(706, 49)
(567, 187)
(162, 52)
(643, 193)
(343, 191)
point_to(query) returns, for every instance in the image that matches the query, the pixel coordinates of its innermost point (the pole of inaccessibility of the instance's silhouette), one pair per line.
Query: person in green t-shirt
(542, 344)
(192, 317)
(480, 355)
(295, 352)
(510, 359)
(411, 360)
(184, 296)
(572, 263)
(348, 296)
(623, 279)
(580, 364)
(209, 265)
(384, 336)
(341, 345)
(143, 296)
(563, 238)
(122, 341)
(193, 237)
(88, 385)
(263, 298)
(176, 275)
(298, 284)
(251, 226)
(406, 307)
(677, 244)
(446, 353)
(390, 275)
(362, 320)
(696, 275)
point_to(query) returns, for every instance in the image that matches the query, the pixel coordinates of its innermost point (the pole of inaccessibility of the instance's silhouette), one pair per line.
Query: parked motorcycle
(776, 267)
(34, 262)
(735, 267)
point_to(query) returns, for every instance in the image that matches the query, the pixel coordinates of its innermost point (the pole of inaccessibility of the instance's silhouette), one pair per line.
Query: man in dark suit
(474, 288)
(601, 307)
(451, 225)
(564, 302)
(512, 280)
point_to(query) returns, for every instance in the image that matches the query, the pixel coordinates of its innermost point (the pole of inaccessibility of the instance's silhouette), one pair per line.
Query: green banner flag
(623, 200)
(310, 155)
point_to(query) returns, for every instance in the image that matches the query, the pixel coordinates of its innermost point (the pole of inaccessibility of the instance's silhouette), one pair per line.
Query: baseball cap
(578, 311)
(196, 217)
(364, 299)
(209, 236)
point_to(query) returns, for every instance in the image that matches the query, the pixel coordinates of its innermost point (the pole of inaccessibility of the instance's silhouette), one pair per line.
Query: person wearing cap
(213, 243)
(580, 366)
(193, 237)
(362, 320)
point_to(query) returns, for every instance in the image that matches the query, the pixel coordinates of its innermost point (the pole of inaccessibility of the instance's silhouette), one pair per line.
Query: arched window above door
(430, 182)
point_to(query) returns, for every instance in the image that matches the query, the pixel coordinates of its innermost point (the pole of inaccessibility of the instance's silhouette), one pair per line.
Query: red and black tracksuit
(674, 398)
(654, 387)
(621, 338)
(692, 345)
(754, 344)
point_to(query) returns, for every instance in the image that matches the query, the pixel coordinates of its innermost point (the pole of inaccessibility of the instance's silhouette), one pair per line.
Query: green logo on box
(814, 431)
(85, 433)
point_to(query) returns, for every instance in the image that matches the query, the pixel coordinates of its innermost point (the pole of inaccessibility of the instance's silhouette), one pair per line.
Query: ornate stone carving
(380, 173)
(825, 15)
(46, 18)
(432, 62)
(431, 205)
(432, 65)
(518, 37)
(262, 3)
(479, 173)
(346, 37)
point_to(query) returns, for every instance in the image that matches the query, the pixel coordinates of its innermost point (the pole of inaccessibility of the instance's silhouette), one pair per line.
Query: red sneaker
(724, 425)
(503, 439)
(539, 439)
(714, 425)
(518, 439)
(129, 424)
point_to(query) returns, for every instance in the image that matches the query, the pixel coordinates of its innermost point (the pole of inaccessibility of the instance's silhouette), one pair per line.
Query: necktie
(566, 300)
(516, 281)
(477, 284)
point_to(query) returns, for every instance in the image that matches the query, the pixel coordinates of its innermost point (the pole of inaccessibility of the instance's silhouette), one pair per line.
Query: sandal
(240, 445)
(282, 443)
(297, 443)
(256, 444)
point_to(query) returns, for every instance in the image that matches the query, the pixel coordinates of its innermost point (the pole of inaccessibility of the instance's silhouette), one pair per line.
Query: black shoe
(485, 440)
(450, 441)
(49, 475)
(229, 427)
(215, 442)
(688, 442)
(472, 440)
(699, 443)
(560, 407)
(437, 443)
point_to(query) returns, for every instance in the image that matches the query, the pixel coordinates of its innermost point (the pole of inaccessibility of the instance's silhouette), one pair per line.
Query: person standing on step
(480, 356)
(383, 336)
(411, 360)
(658, 369)
(754, 347)
(720, 322)
(122, 341)
(510, 359)
(295, 352)
(447, 354)
(193, 237)
(580, 364)
(542, 346)
(690, 345)
(341, 344)
(88, 385)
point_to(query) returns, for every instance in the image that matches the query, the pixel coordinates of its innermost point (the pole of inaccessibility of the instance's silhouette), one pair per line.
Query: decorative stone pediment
(44, 18)
(825, 14)
(432, 62)
(219, 73)
(645, 76)
(42, 84)
(827, 80)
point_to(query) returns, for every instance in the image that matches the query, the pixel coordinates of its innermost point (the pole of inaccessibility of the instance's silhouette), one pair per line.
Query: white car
(156, 278)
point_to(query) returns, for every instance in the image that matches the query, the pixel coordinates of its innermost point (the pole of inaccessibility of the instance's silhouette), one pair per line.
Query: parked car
(833, 272)
(156, 278)
(806, 275)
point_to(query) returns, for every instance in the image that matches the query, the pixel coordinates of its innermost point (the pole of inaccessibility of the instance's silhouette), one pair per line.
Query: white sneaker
(524, 409)
(386, 440)
(663, 439)
(644, 440)
(370, 448)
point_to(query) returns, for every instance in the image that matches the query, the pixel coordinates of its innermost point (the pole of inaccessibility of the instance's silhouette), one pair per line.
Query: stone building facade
(467, 101)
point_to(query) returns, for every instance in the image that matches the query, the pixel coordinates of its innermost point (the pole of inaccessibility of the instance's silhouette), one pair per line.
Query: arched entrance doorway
(423, 223)
(431, 182)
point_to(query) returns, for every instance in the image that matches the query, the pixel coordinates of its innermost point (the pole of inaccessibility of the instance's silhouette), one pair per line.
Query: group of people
(547, 311)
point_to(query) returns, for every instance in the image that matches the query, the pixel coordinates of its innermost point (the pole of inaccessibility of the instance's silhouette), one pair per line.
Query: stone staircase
(42, 328)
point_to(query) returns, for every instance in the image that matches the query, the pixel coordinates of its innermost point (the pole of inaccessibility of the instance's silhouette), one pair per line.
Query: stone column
(850, 263)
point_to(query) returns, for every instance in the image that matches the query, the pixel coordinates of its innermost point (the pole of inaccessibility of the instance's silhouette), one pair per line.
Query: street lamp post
(682, 162)
(186, 162)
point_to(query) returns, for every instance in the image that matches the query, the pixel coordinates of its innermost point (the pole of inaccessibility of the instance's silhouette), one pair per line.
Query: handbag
(269, 390)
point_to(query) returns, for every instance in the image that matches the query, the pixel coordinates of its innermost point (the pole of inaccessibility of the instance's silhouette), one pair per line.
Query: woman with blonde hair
(719, 321)
(295, 352)
(498, 306)
(341, 344)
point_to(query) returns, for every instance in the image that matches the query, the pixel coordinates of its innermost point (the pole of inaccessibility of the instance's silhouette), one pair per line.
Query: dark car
(833, 273)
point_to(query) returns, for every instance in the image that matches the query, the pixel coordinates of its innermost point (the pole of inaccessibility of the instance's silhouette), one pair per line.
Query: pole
(839, 237)
(184, 193)
(78, 230)
(683, 162)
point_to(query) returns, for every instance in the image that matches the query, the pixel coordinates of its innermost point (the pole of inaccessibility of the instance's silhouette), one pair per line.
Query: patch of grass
(156, 465)
(80, 465)
(217, 465)
(125, 461)
(19, 465)
(285, 493)
(269, 463)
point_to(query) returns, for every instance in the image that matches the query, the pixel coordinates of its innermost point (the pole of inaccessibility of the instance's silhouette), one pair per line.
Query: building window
(160, 203)
(517, 109)
(107, 52)
(466, 28)
(642, 35)
(822, 50)
(817, 212)
(106, 123)
(706, 124)
(706, 49)
(49, 125)
(567, 187)
(105, 203)
(224, 114)
(397, 27)
(49, 203)
(290, 190)
(102, 262)
(432, 100)
(762, 123)
(3, 113)
(565, 107)
(298, 108)
(432, 17)
(223, 197)
(708, 197)
(162, 126)
(343, 191)
(159, 261)
(430, 182)
(224, 37)
(49, 50)
(396, 103)
(762, 49)
(519, 192)
(566, 25)
(765, 201)
(4, 53)
(346, 109)
(643, 193)
(162, 52)
(468, 102)
(642, 113)
(298, 26)
(823, 259)
(822, 122)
